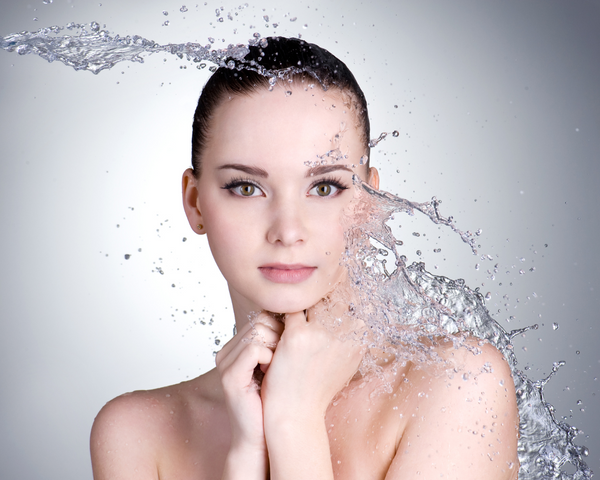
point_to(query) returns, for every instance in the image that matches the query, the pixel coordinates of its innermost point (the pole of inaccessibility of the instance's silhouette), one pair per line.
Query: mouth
(286, 273)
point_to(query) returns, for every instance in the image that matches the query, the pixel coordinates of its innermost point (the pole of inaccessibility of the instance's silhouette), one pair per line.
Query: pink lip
(286, 273)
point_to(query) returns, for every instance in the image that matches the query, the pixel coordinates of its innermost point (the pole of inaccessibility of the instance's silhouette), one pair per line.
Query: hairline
(263, 83)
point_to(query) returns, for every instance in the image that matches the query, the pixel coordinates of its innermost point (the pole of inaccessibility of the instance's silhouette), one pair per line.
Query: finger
(296, 319)
(263, 335)
(240, 373)
(259, 335)
(231, 344)
(269, 320)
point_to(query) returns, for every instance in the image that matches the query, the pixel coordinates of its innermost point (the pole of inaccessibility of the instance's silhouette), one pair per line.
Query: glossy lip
(286, 273)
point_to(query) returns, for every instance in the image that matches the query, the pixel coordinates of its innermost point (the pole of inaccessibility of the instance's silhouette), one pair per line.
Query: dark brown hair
(274, 59)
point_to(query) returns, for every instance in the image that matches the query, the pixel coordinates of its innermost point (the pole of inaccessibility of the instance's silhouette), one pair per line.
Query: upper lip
(286, 266)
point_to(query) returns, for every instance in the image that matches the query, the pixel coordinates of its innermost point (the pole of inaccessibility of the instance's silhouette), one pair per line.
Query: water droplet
(488, 296)
(416, 234)
(293, 19)
(46, 2)
(127, 256)
(183, 9)
(395, 133)
(165, 13)
(266, 18)
(419, 252)
(288, 93)
(555, 326)
(165, 23)
(305, 26)
(577, 352)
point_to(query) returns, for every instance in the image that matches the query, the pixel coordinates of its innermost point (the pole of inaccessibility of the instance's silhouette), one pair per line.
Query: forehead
(295, 122)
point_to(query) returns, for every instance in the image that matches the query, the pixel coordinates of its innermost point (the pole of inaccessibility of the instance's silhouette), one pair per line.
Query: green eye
(323, 190)
(247, 190)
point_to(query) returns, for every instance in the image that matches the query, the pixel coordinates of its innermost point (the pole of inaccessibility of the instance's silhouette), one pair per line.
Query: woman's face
(270, 209)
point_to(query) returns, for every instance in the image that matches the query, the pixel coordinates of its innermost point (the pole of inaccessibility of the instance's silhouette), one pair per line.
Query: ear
(191, 201)
(373, 178)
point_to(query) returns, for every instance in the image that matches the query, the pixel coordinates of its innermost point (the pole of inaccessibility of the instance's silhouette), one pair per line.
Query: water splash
(435, 306)
(387, 298)
(94, 49)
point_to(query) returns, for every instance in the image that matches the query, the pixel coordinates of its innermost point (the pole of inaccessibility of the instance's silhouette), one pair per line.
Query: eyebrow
(323, 169)
(256, 171)
(259, 172)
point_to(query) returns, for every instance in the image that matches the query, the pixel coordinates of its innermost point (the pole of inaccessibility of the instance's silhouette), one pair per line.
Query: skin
(262, 207)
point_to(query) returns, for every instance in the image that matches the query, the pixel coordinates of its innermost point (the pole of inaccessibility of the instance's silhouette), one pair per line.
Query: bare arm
(310, 366)
(247, 458)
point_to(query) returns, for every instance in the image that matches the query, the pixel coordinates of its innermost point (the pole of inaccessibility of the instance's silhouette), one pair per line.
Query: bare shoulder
(140, 434)
(464, 420)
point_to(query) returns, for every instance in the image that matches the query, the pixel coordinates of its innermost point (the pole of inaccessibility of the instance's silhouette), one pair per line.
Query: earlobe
(189, 193)
(373, 178)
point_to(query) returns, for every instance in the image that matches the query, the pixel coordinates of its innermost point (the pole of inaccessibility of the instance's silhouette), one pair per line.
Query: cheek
(228, 236)
(331, 243)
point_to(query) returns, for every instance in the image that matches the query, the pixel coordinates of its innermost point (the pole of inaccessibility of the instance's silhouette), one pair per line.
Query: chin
(283, 305)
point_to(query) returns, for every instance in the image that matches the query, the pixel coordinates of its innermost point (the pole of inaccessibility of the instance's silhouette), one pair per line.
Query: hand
(237, 361)
(316, 357)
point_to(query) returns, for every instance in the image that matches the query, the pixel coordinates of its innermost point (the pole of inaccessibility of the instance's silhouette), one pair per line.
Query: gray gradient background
(499, 116)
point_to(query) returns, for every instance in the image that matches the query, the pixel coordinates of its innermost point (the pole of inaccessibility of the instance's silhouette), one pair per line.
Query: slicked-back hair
(276, 59)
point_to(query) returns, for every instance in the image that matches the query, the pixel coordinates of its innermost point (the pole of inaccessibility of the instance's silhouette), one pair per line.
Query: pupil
(324, 190)
(248, 190)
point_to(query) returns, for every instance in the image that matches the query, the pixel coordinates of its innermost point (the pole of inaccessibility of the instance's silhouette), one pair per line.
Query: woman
(278, 138)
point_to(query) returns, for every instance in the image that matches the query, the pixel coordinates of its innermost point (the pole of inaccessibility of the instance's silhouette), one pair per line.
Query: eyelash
(239, 181)
(236, 182)
(333, 181)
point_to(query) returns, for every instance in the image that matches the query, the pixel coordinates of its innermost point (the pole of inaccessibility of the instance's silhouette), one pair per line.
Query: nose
(287, 226)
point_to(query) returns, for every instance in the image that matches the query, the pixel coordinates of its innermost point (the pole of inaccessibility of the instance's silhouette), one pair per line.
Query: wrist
(246, 462)
(290, 425)
(278, 411)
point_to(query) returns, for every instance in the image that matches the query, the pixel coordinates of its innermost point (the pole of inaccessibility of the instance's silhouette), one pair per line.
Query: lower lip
(285, 275)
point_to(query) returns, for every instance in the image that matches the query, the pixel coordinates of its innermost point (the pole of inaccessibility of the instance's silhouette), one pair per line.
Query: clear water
(390, 295)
